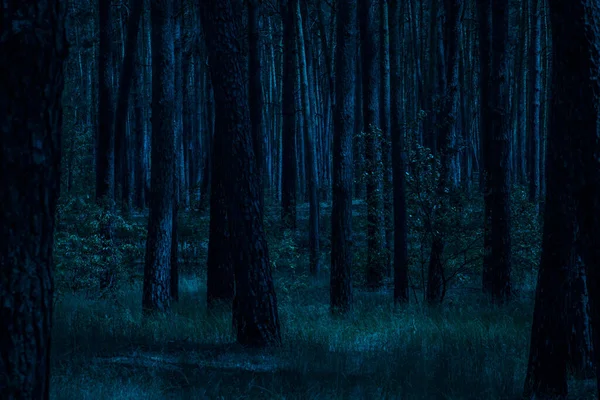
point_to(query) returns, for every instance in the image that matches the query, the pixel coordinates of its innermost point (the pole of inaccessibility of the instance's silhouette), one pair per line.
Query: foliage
(80, 249)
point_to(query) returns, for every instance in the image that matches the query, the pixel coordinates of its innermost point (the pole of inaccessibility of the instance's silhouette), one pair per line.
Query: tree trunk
(343, 123)
(384, 109)
(255, 312)
(310, 148)
(219, 263)
(288, 146)
(398, 160)
(500, 287)
(157, 279)
(255, 90)
(33, 45)
(535, 79)
(369, 63)
(436, 284)
(122, 150)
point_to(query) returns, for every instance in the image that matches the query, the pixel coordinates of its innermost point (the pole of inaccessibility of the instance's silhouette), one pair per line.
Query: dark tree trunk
(157, 279)
(572, 193)
(369, 63)
(33, 45)
(343, 125)
(105, 146)
(288, 158)
(436, 284)
(178, 166)
(255, 90)
(484, 12)
(219, 264)
(141, 141)
(535, 79)
(255, 312)
(122, 151)
(500, 286)
(105, 140)
(384, 109)
(578, 327)
(398, 160)
(573, 117)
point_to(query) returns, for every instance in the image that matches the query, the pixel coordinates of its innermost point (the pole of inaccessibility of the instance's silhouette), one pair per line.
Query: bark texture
(157, 270)
(33, 45)
(343, 130)
(255, 313)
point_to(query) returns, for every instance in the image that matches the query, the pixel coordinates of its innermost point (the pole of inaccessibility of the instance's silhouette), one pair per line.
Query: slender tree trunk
(288, 146)
(125, 81)
(384, 109)
(499, 156)
(310, 149)
(33, 45)
(343, 123)
(398, 160)
(535, 79)
(255, 90)
(436, 284)
(157, 271)
(371, 115)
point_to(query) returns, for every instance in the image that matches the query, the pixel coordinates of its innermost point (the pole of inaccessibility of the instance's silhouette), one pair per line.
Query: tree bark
(255, 312)
(157, 270)
(398, 160)
(33, 45)
(343, 124)
(372, 123)
(288, 158)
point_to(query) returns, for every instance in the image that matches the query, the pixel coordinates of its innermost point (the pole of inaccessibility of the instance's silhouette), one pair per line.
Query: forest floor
(466, 349)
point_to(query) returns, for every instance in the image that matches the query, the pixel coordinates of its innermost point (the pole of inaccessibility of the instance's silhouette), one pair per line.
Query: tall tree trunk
(343, 125)
(436, 284)
(310, 148)
(499, 156)
(157, 280)
(122, 150)
(105, 156)
(105, 139)
(369, 63)
(535, 79)
(575, 28)
(384, 109)
(398, 160)
(288, 146)
(219, 263)
(255, 90)
(33, 45)
(255, 312)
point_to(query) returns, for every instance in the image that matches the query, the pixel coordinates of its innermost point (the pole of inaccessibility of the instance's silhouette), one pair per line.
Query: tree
(157, 269)
(255, 312)
(309, 145)
(122, 148)
(572, 193)
(495, 146)
(219, 263)
(369, 62)
(288, 139)
(398, 160)
(105, 151)
(343, 130)
(445, 127)
(255, 90)
(33, 46)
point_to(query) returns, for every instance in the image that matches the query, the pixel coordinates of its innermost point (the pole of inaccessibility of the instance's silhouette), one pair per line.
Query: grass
(465, 349)
(105, 349)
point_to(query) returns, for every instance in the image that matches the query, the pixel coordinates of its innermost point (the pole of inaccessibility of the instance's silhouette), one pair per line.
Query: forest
(299, 199)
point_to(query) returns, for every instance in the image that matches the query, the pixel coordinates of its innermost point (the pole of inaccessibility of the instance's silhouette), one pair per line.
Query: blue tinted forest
(299, 199)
